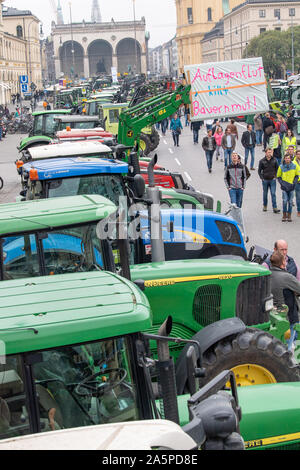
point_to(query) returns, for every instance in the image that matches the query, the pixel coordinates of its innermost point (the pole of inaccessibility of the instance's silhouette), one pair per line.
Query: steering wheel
(89, 387)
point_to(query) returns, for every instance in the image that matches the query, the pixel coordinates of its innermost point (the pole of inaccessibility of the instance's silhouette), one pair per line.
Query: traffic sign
(24, 87)
(24, 79)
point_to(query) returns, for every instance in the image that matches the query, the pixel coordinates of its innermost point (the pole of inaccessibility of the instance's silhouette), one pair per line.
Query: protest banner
(225, 89)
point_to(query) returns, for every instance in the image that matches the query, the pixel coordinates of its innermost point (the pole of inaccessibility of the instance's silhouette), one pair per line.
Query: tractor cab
(77, 121)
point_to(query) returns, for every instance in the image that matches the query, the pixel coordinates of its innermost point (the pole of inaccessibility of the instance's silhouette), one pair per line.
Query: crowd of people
(280, 164)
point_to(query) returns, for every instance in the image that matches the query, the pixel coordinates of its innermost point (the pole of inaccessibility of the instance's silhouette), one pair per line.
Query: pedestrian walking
(268, 129)
(297, 187)
(164, 126)
(234, 131)
(287, 176)
(176, 127)
(289, 139)
(258, 128)
(187, 116)
(235, 180)
(291, 121)
(275, 145)
(209, 146)
(281, 126)
(248, 141)
(267, 171)
(228, 144)
(195, 128)
(209, 124)
(218, 135)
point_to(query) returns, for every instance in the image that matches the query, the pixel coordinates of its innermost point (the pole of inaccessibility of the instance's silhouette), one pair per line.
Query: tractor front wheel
(255, 356)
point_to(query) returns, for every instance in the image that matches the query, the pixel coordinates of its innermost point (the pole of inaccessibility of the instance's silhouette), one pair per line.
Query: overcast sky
(160, 15)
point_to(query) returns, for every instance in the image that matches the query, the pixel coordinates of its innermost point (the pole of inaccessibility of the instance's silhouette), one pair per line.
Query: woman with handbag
(268, 128)
(176, 127)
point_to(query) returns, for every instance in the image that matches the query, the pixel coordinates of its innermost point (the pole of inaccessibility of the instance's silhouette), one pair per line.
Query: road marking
(242, 125)
(165, 142)
(170, 150)
(177, 161)
(188, 176)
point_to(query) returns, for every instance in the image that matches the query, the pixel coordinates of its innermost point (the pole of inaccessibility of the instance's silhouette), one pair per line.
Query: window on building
(262, 13)
(19, 31)
(209, 14)
(277, 13)
(190, 15)
(278, 29)
(292, 11)
(262, 30)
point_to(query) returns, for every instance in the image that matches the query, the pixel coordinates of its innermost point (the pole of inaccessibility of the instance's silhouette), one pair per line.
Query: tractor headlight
(268, 305)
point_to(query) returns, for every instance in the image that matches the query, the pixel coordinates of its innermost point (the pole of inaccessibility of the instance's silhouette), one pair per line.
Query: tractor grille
(250, 299)
(207, 304)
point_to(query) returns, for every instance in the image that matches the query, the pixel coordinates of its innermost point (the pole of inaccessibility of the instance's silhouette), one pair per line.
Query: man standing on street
(258, 127)
(268, 129)
(235, 180)
(267, 171)
(248, 142)
(195, 127)
(209, 146)
(228, 144)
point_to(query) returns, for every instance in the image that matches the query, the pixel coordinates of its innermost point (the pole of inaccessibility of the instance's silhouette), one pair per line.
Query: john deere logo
(225, 276)
(129, 133)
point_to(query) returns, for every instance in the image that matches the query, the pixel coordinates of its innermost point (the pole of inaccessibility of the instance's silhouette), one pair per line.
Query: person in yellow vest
(297, 163)
(288, 139)
(287, 176)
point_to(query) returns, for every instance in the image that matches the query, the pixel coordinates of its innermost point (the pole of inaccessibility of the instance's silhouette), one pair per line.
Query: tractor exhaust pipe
(166, 375)
(153, 195)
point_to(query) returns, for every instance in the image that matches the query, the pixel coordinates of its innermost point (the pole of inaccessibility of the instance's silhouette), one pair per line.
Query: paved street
(189, 159)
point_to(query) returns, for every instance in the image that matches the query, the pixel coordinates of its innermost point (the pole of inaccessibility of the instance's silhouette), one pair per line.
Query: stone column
(57, 67)
(86, 66)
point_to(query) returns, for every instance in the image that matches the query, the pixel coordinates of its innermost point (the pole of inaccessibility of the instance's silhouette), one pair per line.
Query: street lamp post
(292, 14)
(135, 44)
(72, 38)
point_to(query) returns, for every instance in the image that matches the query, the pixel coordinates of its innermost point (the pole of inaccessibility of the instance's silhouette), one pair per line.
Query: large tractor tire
(155, 139)
(255, 356)
(145, 144)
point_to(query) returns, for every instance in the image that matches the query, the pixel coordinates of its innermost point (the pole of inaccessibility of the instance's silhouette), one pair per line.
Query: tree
(275, 48)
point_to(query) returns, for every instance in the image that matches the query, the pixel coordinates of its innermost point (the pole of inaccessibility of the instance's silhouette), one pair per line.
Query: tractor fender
(209, 335)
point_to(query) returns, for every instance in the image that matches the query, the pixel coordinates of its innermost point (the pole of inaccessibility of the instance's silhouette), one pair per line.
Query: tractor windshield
(77, 385)
(109, 186)
(58, 251)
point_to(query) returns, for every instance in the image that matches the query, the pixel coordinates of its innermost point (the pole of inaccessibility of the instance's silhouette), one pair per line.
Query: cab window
(86, 384)
(38, 124)
(14, 416)
(114, 116)
(19, 256)
(51, 125)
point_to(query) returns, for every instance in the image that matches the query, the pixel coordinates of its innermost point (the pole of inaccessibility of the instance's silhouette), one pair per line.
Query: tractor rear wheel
(255, 356)
(155, 139)
(145, 144)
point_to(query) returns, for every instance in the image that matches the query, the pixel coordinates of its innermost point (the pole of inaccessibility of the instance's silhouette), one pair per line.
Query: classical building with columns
(88, 49)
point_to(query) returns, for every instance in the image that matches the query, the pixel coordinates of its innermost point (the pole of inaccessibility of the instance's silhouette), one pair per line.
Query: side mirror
(139, 186)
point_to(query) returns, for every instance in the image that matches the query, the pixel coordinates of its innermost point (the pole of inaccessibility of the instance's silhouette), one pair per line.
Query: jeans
(266, 140)
(259, 134)
(195, 135)
(269, 184)
(251, 150)
(219, 151)
(209, 158)
(187, 120)
(227, 154)
(164, 126)
(236, 196)
(175, 138)
(298, 196)
(287, 201)
(293, 337)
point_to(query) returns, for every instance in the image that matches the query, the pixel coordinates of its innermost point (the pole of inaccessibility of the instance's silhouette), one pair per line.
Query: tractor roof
(69, 149)
(52, 311)
(27, 216)
(58, 168)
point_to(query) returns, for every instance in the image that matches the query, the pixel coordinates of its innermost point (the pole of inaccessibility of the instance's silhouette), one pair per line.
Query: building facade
(254, 17)
(195, 18)
(213, 44)
(88, 49)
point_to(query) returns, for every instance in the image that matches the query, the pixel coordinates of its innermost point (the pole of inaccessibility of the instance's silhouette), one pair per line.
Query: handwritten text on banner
(225, 89)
